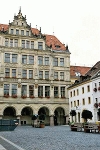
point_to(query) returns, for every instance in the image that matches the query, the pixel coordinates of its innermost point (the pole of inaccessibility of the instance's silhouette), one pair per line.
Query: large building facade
(34, 74)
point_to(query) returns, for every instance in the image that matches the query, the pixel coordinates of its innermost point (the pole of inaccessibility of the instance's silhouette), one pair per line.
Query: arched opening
(45, 111)
(26, 115)
(59, 116)
(9, 113)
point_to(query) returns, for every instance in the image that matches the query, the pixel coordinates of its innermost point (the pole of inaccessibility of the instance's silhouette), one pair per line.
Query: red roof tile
(5, 26)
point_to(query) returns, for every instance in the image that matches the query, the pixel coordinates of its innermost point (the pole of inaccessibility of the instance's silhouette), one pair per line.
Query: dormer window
(57, 46)
(17, 32)
(12, 31)
(27, 33)
(40, 45)
(22, 32)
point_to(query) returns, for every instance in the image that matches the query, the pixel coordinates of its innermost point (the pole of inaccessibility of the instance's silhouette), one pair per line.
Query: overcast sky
(74, 22)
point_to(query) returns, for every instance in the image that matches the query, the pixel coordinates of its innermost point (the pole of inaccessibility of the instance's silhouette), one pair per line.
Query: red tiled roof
(80, 69)
(50, 39)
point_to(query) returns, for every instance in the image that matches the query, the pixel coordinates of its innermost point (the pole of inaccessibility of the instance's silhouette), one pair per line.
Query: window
(40, 91)
(17, 32)
(61, 61)
(71, 94)
(62, 90)
(32, 44)
(6, 42)
(74, 103)
(95, 85)
(27, 44)
(83, 101)
(40, 45)
(7, 57)
(74, 93)
(16, 43)
(46, 74)
(82, 90)
(11, 42)
(14, 58)
(11, 31)
(31, 59)
(14, 89)
(55, 61)
(89, 100)
(55, 91)
(24, 90)
(7, 72)
(27, 33)
(71, 104)
(96, 100)
(40, 60)
(24, 59)
(77, 102)
(46, 61)
(40, 74)
(88, 88)
(56, 75)
(23, 43)
(77, 92)
(24, 73)
(13, 73)
(22, 32)
(99, 83)
(61, 75)
(47, 91)
(30, 74)
(31, 90)
(6, 89)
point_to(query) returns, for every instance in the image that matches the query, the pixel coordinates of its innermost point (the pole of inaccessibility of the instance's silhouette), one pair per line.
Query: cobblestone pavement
(51, 138)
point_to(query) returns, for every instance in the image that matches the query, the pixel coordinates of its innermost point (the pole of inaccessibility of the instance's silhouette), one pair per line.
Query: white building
(82, 94)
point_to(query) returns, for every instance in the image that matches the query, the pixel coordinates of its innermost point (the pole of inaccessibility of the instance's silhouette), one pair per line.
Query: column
(52, 120)
(67, 118)
(18, 117)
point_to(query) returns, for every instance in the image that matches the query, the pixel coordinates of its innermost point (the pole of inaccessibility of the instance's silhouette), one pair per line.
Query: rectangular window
(47, 91)
(27, 44)
(46, 74)
(7, 72)
(89, 100)
(11, 42)
(24, 73)
(6, 89)
(40, 91)
(82, 90)
(11, 31)
(27, 33)
(40, 74)
(88, 88)
(55, 91)
(40, 45)
(23, 43)
(74, 103)
(55, 75)
(74, 93)
(17, 32)
(14, 58)
(71, 94)
(14, 89)
(46, 61)
(6, 42)
(13, 73)
(31, 90)
(95, 84)
(77, 92)
(55, 62)
(30, 74)
(83, 101)
(40, 60)
(22, 32)
(61, 75)
(77, 102)
(32, 44)
(62, 90)
(61, 61)
(24, 90)
(7, 57)
(15, 42)
(24, 59)
(31, 59)
(71, 104)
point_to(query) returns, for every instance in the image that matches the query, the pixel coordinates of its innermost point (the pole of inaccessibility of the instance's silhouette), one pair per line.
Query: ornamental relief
(27, 66)
(11, 65)
(44, 67)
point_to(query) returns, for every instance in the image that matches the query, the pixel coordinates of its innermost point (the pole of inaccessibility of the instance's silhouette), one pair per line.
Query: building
(85, 94)
(34, 74)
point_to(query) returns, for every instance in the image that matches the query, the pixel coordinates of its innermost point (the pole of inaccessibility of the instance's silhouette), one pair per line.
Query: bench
(91, 128)
(76, 127)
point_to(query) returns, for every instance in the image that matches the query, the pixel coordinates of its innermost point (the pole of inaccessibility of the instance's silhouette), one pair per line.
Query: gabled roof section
(4, 27)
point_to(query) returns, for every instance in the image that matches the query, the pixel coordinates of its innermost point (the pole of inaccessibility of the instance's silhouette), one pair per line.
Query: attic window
(57, 46)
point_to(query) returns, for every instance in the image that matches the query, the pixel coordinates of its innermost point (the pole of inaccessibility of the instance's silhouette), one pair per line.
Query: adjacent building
(34, 74)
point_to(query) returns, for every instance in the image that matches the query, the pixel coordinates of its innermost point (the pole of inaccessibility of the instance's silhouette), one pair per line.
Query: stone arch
(26, 115)
(45, 110)
(9, 112)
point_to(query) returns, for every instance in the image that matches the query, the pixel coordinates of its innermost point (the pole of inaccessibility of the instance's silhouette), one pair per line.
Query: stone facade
(34, 76)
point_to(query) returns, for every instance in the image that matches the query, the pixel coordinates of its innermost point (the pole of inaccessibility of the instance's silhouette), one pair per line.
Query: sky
(74, 22)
